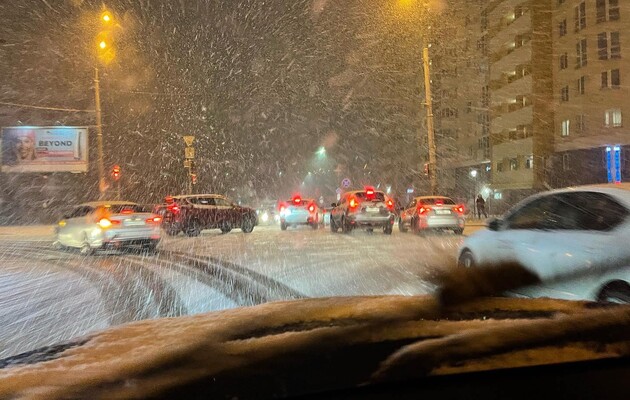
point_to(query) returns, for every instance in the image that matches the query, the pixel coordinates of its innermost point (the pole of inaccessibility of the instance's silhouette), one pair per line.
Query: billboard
(44, 149)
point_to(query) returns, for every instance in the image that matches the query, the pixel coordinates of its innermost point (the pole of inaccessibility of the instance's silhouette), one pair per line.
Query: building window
(564, 61)
(513, 164)
(560, 2)
(562, 27)
(602, 46)
(580, 49)
(601, 10)
(565, 162)
(612, 118)
(581, 83)
(603, 42)
(565, 127)
(499, 166)
(613, 10)
(579, 123)
(485, 97)
(580, 16)
(484, 20)
(564, 94)
(468, 107)
(529, 162)
(611, 79)
(615, 45)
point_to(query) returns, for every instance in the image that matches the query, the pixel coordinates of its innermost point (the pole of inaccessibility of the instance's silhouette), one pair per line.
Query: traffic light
(105, 38)
(426, 169)
(193, 178)
(116, 172)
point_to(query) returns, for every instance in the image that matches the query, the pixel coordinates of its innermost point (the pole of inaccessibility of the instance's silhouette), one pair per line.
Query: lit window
(529, 162)
(565, 127)
(612, 118)
(513, 164)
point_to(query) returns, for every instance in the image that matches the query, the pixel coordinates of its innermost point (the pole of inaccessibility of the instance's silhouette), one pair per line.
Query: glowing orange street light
(102, 45)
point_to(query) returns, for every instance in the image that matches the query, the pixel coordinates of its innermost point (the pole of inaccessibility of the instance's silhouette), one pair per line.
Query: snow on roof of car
(106, 203)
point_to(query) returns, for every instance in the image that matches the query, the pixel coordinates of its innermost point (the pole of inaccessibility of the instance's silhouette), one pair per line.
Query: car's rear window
(133, 208)
(437, 201)
(378, 196)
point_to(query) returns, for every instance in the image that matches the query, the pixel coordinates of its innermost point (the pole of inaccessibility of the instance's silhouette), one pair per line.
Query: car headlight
(264, 217)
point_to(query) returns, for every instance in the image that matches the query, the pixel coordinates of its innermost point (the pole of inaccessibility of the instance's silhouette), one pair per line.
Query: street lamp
(473, 173)
(105, 54)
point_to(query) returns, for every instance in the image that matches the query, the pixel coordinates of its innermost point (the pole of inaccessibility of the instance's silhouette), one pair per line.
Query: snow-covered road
(48, 296)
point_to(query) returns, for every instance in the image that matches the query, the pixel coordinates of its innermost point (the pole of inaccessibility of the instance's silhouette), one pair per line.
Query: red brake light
(390, 204)
(459, 209)
(169, 199)
(311, 208)
(353, 203)
(423, 210)
(154, 220)
(126, 211)
(174, 208)
(106, 223)
(297, 200)
(439, 202)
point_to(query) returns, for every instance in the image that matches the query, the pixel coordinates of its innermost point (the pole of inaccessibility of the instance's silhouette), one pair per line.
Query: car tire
(345, 226)
(150, 248)
(333, 226)
(388, 229)
(86, 249)
(466, 260)
(401, 226)
(247, 226)
(615, 292)
(225, 227)
(194, 229)
(414, 225)
(283, 226)
(171, 231)
(459, 231)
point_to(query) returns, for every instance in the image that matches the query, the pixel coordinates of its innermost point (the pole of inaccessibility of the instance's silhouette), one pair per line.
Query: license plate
(372, 209)
(443, 212)
(133, 222)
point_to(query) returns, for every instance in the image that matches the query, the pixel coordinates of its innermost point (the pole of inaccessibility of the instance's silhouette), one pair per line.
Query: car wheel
(151, 248)
(615, 292)
(466, 260)
(459, 231)
(86, 249)
(225, 227)
(387, 229)
(248, 224)
(194, 229)
(401, 226)
(415, 225)
(283, 226)
(57, 245)
(333, 226)
(345, 226)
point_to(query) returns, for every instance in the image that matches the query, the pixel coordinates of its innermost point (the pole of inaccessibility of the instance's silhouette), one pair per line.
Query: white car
(577, 240)
(108, 225)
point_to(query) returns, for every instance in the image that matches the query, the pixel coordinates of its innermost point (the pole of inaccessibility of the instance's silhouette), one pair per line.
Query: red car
(193, 213)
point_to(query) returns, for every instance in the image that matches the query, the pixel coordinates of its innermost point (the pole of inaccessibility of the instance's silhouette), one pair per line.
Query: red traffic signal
(116, 172)
(193, 178)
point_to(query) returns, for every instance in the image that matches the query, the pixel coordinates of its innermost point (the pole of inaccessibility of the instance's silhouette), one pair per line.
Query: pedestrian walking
(481, 207)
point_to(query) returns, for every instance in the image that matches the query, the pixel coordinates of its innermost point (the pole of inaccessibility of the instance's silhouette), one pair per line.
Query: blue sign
(617, 158)
(609, 164)
(613, 164)
(410, 190)
(338, 190)
(346, 183)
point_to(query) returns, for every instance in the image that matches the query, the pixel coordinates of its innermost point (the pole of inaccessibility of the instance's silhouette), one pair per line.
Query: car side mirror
(495, 224)
(333, 204)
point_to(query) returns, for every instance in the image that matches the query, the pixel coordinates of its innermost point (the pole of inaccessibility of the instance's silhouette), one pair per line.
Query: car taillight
(390, 204)
(354, 203)
(311, 208)
(422, 210)
(459, 209)
(126, 211)
(106, 223)
(154, 220)
(174, 208)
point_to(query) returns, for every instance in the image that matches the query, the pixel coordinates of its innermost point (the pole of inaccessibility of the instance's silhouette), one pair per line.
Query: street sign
(410, 190)
(189, 152)
(338, 191)
(189, 140)
(346, 183)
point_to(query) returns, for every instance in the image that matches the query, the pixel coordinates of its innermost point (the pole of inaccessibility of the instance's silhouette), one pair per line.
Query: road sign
(410, 190)
(338, 191)
(189, 140)
(346, 183)
(189, 152)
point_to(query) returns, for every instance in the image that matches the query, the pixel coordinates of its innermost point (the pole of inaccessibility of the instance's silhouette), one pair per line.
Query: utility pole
(430, 131)
(99, 134)
(189, 162)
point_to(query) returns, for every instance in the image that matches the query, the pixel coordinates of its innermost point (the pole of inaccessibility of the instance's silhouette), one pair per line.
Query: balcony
(509, 60)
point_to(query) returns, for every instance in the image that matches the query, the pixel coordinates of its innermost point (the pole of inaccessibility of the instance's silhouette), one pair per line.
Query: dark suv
(193, 213)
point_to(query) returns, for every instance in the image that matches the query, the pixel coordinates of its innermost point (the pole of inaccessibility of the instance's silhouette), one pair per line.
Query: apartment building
(591, 66)
(462, 97)
(521, 96)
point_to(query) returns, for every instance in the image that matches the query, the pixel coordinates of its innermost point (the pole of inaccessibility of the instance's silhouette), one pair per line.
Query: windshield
(216, 115)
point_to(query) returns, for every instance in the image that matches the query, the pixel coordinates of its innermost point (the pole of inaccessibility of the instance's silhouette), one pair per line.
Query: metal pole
(99, 134)
(118, 189)
(430, 131)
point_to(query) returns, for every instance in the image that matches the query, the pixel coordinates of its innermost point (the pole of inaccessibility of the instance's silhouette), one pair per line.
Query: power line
(158, 93)
(42, 107)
